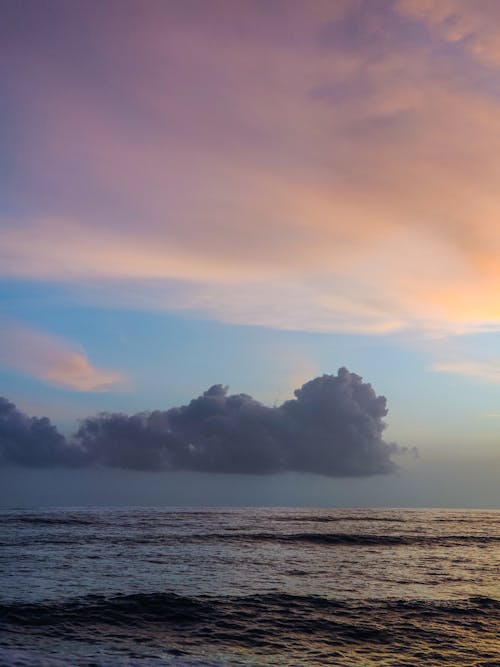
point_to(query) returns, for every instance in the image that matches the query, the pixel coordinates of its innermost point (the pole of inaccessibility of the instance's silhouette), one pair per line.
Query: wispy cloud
(319, 166)
(53, 360)
(472, 25)
(481, 370)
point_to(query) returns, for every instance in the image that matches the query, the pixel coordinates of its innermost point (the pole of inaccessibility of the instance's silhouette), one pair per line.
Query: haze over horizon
(200, 195)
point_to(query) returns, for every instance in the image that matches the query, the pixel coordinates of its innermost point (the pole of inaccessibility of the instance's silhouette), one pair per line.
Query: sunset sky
(254, 194)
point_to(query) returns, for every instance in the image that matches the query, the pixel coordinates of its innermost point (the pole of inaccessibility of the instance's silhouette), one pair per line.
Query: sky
(199, 195)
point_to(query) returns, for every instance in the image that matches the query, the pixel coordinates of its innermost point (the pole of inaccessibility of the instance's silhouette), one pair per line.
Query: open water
(141, 587)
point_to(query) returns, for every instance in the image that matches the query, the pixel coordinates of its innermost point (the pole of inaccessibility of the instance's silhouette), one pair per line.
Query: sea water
(199, 587)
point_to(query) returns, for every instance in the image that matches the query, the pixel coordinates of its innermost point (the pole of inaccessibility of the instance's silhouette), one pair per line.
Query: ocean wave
(49, 521)
(300, 630)
(29, 658)
(129, 609)
(171, 608)
(242, 538)
(361, 539)
(345, 518)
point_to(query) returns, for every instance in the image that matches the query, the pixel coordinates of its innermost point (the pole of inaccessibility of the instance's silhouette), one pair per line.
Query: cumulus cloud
(32, 441)
(334, 426)
(52, 360)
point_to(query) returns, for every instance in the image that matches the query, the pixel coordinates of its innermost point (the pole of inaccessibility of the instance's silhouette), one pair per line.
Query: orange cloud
(52, 360)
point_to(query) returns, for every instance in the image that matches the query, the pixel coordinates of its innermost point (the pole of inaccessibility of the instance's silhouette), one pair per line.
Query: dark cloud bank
(333, 426)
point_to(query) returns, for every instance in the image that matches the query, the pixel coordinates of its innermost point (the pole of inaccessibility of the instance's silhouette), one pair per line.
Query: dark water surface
(249, 587)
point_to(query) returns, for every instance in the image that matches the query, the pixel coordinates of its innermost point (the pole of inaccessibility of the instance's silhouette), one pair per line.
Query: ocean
(213, 587)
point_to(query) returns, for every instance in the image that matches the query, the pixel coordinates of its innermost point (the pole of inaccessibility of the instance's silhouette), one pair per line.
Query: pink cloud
(472, 24)
(264, 168)
(53, 360)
